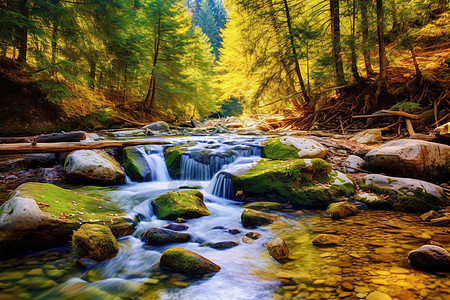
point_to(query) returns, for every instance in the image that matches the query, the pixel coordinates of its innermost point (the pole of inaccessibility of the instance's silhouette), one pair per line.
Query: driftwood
(401, 113)
(73, 136)
(71, 146)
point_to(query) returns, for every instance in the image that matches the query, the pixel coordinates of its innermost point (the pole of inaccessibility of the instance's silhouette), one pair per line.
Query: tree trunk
(92, 71)
(365, 38)
(416, 65)
(125, 78)
(336, 41)
(22, 32)
(353, 46)
(307, 70)
(54, 45)
(149, 100)
(381, 41)
(395, 22)
(294, 53)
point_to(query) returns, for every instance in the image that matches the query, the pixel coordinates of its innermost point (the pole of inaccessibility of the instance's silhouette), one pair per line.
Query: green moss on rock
(263, 205)
(186, 204)
(95, 242)
(275, 149)
(251, 218)
(135, 164)
(173, 157)
(185, 261)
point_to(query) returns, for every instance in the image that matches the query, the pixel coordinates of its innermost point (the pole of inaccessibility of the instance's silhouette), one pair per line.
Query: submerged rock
(158, 126)
(263, 205)
(327, 240)
(430, 257)
(177, 227)
(277, 249)
(41, 215)
(251, 218)
(406, 194)
(302, 182)
(224, 245)
(95, 242)
(161, 236)
(342, 209)
(93, 167)
(186, 204)
(135, 164)
(411, 158)
(293, 148)
(250, 237)
(185, 261)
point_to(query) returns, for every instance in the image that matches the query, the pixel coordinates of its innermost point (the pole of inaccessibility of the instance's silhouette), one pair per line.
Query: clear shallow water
(373, 256)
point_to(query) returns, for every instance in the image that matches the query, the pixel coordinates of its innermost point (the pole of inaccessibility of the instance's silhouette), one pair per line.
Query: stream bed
(373, 256)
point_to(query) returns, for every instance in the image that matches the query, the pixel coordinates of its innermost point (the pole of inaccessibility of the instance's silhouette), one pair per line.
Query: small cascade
(243, 151)
(217, 163)
(192, 169)
(155, 159)
(256, 150)
(221, 186)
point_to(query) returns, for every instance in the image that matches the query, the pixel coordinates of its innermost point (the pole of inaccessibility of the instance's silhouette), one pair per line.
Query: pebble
(318, 282)
(361, 295)
(383, 272)
(376, 295)
(354, 255)
(380, 281)
(398, 270)
(362, 289)
(151, 281)
(347, 286)
(344, 294)
(35, 272)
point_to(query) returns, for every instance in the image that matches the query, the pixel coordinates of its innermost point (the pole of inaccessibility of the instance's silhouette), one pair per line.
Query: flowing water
(373, 256)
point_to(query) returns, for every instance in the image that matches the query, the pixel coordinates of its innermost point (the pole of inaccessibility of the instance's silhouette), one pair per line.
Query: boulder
(406, 194)
(430, 257)
(34, 160)
(94, 241)
(303, 182)
(371, 200)
(342, 209)
(135, 164)
(185, 204)
(251, 218)
(293, 147)
(41, 215)
(185, 261)
(224, 245)
(93, 167)
(161, 236)
(327, 240)
(411, 158)
(353, 164)
(173, 157)
(369, 136)
(263, 205)
(158, 126)
(277, 249)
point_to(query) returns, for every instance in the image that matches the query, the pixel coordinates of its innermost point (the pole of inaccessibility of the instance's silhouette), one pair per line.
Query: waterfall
(217, 163)
(192, 169)
(221, 186)
(155, 160)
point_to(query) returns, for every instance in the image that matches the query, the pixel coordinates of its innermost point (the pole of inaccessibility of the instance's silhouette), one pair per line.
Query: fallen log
(71, 146)
(73, 136)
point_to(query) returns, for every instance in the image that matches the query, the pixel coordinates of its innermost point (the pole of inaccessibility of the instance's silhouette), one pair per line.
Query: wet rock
(251, 218)
(42, 215)
(158, 126)
(426, 217)
(353, 164)
(93, 167)
(411, 158)
(371, 200)
(430, 257)
(277, 249)
(369, 136)
(129, 133)
(376, 295)
(301, 182)
(186, 204)
(173, 157)
(406, 194)
(135, 164)
(95, 242)
(177, 227)
(347, 286)
(34, 160)
(443, 131)
(224, 245)
(161, 236)
(292, 148)
(86, 263)
(342, 209)
(234, 231)
(263, 205)
(327, 240)
(185, 261)
(250, 237)
(441, 221)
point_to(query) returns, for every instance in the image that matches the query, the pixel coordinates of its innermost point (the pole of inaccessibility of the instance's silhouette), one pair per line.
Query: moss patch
(186, 204)
(135, 164)
(263, 205)
(275, 149)
(182, 260)
(251, 218)
(173, 157)
(95, 242)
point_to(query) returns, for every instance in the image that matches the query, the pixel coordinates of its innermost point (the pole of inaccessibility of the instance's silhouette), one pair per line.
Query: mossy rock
(301, 182)
(185, 261)
(173, 157)
(93, 167)
(42, 215)
(95, 242)
(251, 218)
(135, 164)
(186, 204)
(406, 194)
(371, 200)
(263, 205)
(286, 148)
(342, 209)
